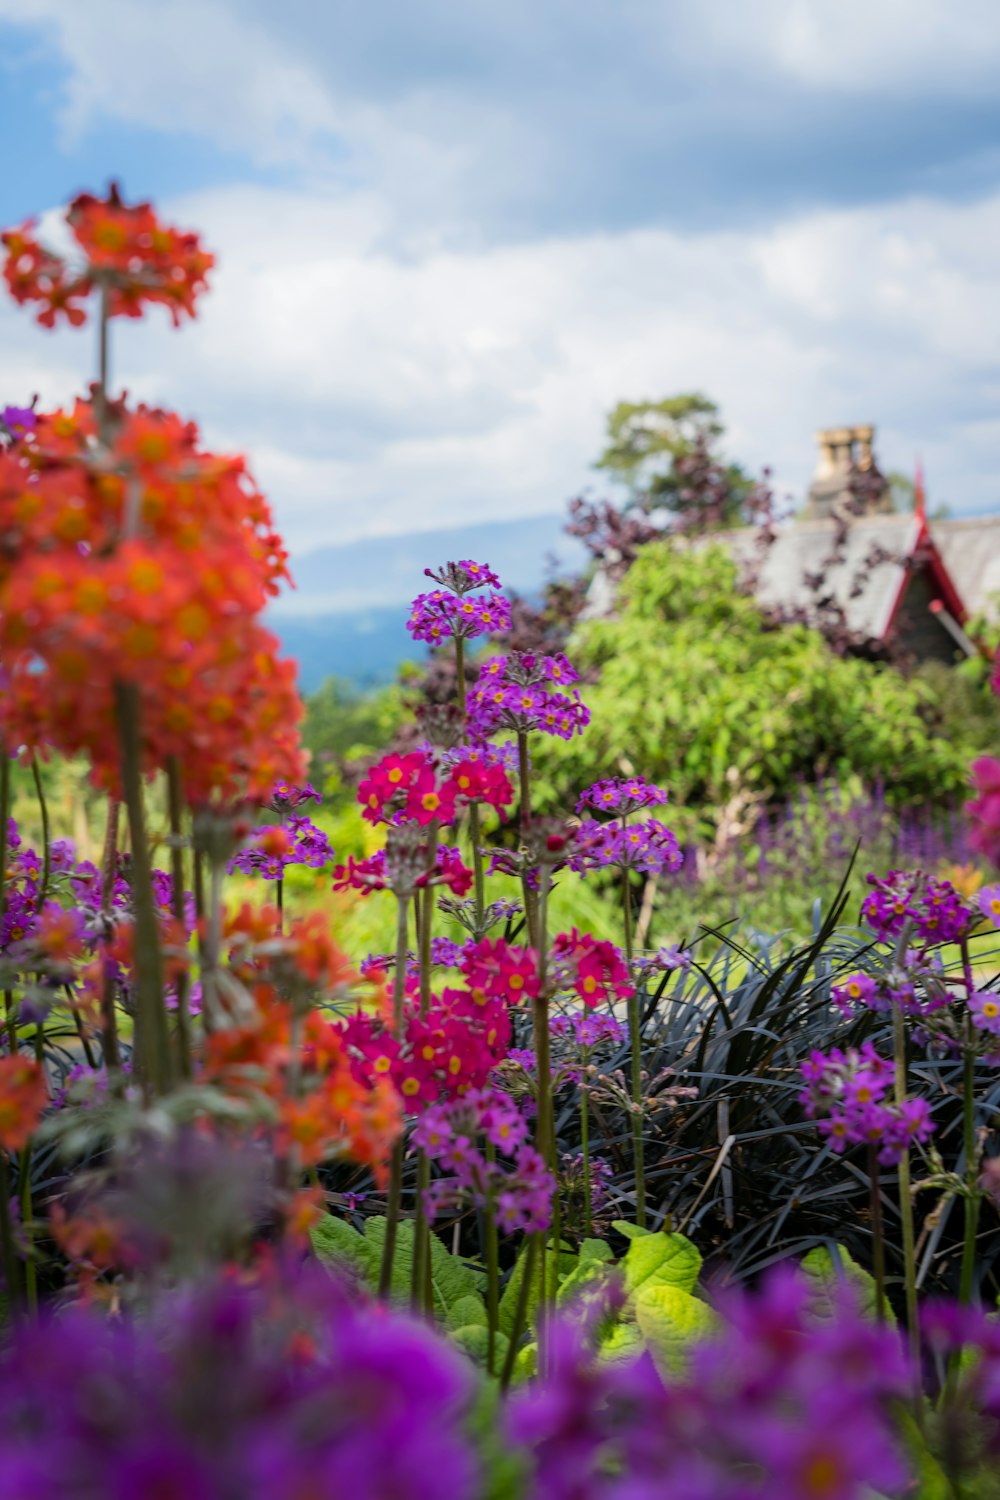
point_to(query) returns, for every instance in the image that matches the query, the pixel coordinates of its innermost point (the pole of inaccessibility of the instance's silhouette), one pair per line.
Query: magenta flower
(933, 908)
(984, 809)
(847, 1092)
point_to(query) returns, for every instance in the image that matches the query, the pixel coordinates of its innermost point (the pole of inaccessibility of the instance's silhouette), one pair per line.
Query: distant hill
(347, 617)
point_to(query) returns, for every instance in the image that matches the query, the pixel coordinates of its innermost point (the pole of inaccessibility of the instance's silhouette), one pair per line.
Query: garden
(588, 1092)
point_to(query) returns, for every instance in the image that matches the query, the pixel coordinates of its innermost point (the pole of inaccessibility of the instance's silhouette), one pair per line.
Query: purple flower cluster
(588, 1028)
(649, 847)
(285, 797)
(463, 577)
(308, 845)
(914, 984)
(524, 692)
(778, 1404)
(621, 795)
(847, 1092)
(933, 908)
(520, 1194)
(233, 1393)
(439, 616)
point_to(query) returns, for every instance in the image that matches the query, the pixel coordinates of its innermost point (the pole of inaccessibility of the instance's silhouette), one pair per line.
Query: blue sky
(451, 236)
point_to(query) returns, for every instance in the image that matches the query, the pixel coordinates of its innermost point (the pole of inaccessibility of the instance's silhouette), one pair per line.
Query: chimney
(847, 475)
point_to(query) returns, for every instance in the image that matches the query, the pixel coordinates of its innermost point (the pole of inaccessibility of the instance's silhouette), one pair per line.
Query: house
(872, 577)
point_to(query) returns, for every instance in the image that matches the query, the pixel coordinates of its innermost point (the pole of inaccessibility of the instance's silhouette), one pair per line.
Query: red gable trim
(923, 545)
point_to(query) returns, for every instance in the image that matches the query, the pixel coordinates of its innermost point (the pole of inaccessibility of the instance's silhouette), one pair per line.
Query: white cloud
(379, 395)
(195, 65)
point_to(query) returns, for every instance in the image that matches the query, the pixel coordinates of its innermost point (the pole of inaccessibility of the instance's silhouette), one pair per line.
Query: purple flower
(933, 908)
(225, 1392)
(847, 1092)
(463, 577)
(440, 616)
(984, 1008)
(19, 420)
(524, 692)
(622, 795)
(989, 903)
(648, 847)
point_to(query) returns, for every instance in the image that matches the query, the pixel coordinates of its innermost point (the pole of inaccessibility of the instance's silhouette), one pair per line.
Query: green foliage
(345, 724)
(661, 1260)
(340, 1246)
(645, 437)
(826, 1267)
(671, 1320)
(695, 691)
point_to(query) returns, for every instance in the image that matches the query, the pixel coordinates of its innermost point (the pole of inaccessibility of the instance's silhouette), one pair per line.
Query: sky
(452, 234)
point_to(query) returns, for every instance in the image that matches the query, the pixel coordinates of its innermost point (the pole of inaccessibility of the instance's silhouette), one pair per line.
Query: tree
(666, 455)
(691, 686)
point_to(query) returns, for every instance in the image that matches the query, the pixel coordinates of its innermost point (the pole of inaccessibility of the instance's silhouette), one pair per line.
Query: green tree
(666, 453)
(344, 725)
(692, 687)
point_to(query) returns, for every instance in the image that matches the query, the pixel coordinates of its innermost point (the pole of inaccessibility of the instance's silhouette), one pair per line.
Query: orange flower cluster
(125, 249)
(24, 1095)
(145, 560)
(300, 1061)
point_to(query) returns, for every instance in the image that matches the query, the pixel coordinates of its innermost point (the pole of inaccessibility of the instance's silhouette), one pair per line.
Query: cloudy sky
(452, 233)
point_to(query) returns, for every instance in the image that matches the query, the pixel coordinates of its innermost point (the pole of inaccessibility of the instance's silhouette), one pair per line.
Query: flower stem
(110, 1049)
(492, 1272)
(396, 1165)
(530, 896)
(521, 1309)
(878, 1232)
(152, 1040)
(585, 1151)
(966, 1291)
(43, 808)
(175, 805)
(108, 866)
(635, 1049)
(906, 1210)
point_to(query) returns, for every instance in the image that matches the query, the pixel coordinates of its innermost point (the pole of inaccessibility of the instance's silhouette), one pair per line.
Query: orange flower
(24, 1095)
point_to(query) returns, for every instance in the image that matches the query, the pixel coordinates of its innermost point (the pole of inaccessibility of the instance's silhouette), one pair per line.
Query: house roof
(962, 557)
(970, 550)
(868, 595)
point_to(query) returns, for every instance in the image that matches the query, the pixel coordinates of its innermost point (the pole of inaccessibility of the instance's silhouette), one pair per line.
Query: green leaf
(468, 1311)
(629, 1230)
(825, 1274)
(451, 1278)
(474, 1340)
(623, 1342)
(671, 1320)
(662, 1260)
(508, 1302)
(596, 1251)
(339, 1246)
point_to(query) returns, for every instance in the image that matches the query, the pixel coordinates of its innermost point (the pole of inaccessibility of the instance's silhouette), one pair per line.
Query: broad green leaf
(661, 1259)
(596, 1250)
(339, 1245)
(820, 1265)
(629, 1230)
(525, 1364)
(474, 1340)
(451, 1278)
(623, 1342)
(468, 1311)
(670, 1321)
